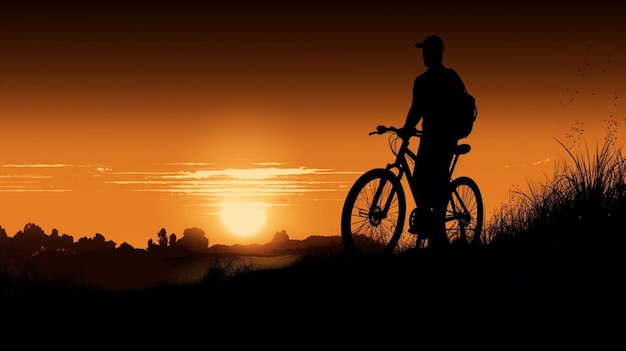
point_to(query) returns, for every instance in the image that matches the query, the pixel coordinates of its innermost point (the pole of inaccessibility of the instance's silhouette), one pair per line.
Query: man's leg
(438, 237)
(421, 178)
(439, 195)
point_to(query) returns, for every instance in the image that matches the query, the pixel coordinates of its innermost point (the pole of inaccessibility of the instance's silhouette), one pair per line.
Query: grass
(585, 198)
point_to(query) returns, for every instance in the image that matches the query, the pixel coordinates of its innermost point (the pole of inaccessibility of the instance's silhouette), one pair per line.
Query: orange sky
(122, 119)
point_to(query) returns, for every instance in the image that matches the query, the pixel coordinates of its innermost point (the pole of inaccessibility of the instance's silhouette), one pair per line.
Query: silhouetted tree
(58, 243)
(194, 240)
(31, 232)
(3, 234)
(126, 247)
(151, 244)
(172, 239)
(280, 237)
(31, 238)
(162, 235)
(98, 242)
(162, 240)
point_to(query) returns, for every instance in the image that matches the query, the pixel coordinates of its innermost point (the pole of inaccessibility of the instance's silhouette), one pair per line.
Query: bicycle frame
(403, 169)
(402, 166)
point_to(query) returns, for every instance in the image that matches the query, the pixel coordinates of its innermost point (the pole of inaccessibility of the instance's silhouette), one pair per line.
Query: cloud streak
(201, 181)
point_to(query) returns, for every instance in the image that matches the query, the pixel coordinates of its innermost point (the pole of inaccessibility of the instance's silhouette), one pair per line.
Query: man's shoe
(438, 242)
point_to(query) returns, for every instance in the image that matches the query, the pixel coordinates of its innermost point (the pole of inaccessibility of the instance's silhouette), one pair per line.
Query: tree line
(33, 240)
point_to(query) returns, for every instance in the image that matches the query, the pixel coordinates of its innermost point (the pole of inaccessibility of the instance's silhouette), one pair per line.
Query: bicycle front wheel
(373, 214)
(465, 212)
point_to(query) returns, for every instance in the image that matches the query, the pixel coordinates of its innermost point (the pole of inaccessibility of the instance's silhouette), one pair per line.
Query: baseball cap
(432, 42)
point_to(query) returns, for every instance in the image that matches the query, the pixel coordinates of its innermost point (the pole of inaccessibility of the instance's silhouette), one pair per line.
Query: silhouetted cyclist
(431, 91)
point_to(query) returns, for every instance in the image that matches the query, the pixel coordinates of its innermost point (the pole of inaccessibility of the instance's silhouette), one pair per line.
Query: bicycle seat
(462, 149)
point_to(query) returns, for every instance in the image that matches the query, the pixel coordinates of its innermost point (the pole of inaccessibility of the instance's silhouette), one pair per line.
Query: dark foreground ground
(504, 294)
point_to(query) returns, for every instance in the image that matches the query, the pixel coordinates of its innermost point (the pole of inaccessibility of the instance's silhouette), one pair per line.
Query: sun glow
(243, 218)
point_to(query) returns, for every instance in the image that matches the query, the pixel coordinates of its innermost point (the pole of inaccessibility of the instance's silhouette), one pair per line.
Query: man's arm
(415, 111)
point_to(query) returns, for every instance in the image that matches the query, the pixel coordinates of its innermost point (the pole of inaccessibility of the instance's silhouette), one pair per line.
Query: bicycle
(374, 212)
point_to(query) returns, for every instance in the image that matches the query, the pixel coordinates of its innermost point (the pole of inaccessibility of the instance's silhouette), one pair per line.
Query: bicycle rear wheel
(465, 212)
(372, 219)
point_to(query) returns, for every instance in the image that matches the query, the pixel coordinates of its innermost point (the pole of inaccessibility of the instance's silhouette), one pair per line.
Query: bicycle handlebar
(384, 129)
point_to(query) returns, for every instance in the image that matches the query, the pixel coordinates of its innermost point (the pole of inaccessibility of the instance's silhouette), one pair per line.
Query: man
(431, 92)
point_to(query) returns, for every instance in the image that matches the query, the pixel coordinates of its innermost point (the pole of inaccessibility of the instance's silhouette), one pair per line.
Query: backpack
(464, 113)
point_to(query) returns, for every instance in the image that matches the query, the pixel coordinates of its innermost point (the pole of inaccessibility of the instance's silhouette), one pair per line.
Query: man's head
(432, 48)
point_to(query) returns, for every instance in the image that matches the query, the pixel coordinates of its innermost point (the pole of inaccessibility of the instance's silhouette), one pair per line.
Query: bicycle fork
(377, 213)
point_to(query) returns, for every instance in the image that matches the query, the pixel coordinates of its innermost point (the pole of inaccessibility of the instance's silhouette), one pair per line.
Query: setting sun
(243, 218)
